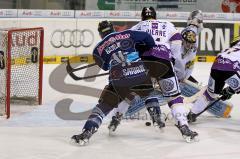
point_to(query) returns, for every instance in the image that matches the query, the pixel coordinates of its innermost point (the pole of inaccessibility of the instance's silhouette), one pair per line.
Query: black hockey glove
(227, 93)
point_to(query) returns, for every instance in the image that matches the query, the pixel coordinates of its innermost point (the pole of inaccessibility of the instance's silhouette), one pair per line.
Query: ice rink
(38, 133)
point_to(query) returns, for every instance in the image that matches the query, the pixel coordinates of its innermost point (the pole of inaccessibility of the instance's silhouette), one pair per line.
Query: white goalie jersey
(188, 55)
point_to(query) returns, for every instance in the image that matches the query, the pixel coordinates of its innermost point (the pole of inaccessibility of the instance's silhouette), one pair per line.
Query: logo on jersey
(126, 44)
(233, 83)
(236, 65)
(133, 70)
(112, 40)
(154, 25)
(167, 85)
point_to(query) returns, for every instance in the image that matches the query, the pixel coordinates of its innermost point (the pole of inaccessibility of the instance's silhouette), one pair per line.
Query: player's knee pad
(169, 87)
(234, 82)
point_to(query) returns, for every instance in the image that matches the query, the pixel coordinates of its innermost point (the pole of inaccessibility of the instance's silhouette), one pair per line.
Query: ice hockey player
(117, 53)
(189, 46)
(169, 47)
(225, 71)
(189, 50)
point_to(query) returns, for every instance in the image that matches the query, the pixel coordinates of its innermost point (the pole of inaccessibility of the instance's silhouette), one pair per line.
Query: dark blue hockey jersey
(127, 42)
(119, 51)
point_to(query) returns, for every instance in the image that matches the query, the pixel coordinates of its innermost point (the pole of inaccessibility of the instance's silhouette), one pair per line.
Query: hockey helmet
(235, 41)
(148, 13)
(196, 18)
(104, 28)
(189, 38)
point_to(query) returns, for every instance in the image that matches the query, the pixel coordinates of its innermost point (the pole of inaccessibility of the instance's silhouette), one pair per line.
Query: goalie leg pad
(188, 90)
(221, 109)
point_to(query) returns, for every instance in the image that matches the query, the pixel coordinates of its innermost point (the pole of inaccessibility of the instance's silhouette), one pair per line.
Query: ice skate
(192, 117)
(83, 138)
(156, 118)
(114, 123)
(188, 135)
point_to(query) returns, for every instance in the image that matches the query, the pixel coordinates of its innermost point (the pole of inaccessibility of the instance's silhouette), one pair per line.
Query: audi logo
(72, 38)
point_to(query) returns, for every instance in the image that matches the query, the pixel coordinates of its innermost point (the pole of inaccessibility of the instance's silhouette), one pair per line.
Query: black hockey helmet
(104, 28)
(235, 41)
(148, 13)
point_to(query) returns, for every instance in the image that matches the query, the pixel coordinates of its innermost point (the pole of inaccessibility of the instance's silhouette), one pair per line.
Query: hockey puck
(148, 123)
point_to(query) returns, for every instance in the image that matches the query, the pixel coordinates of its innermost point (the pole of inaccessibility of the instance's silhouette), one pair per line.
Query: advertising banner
(76, 36)
(221, 6)
(24, 13)
(8, 13)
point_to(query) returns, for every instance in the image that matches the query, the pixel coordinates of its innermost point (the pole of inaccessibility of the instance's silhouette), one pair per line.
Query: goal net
(21, 62)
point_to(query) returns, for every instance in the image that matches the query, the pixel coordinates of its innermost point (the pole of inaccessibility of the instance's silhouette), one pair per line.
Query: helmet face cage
(148, 13)
(189, 38)
(105, 28)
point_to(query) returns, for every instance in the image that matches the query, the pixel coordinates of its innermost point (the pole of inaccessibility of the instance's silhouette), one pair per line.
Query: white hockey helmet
(196, 18)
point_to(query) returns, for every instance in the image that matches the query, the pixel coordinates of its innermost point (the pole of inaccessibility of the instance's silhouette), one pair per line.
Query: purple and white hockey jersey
(228, 59)
(163, 33)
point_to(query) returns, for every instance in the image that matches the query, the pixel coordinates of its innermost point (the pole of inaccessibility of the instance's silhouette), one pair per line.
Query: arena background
(73, 33)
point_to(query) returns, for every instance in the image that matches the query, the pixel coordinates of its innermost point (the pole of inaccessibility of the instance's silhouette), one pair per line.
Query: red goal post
(21, 67)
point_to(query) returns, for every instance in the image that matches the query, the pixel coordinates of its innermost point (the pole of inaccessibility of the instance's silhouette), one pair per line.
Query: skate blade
(81, 142)
(188, 139)
(158, 129)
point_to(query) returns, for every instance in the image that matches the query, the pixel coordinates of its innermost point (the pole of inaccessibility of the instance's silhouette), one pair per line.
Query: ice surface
(38, 133)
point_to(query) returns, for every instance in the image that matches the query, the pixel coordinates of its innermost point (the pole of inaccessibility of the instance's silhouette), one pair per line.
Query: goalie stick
(71, 70)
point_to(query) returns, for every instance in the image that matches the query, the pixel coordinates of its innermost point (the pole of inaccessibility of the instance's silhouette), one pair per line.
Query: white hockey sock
(200, 104)
(122, 108)
(179, 112)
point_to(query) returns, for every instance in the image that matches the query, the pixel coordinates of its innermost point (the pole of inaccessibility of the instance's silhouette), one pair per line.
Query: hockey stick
(71, 70)
(209, 106)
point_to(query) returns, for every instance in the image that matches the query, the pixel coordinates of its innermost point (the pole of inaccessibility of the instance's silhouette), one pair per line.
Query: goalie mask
(148, 13)
(189, 39)
(196, 18)
(105, 28)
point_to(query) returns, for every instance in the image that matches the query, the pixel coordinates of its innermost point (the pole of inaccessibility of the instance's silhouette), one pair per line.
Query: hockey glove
(227, 93)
